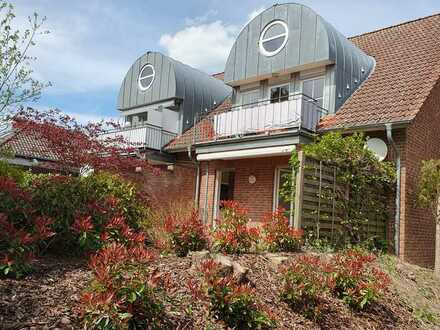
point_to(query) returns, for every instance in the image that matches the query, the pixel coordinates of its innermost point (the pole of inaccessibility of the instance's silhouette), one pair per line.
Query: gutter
(388, 128)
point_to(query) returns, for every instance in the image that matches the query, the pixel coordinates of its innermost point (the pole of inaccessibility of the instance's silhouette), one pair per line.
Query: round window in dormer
(273, 38)
(146, 77)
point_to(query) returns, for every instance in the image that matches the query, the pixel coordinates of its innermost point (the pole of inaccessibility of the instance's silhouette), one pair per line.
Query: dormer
(166, 94)
(288, 50)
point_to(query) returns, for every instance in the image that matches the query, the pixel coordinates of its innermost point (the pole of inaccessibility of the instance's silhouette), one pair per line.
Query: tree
(429, 197)
(73, 146)
(17, 86)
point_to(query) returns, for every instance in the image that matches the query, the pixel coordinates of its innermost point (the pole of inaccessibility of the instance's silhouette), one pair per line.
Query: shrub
(356, 281)
(94, 201)
(231, 302)
(124, 293)
(278, 235)
(18, 245)
(231, 234)
(305, 283)
(186, 233)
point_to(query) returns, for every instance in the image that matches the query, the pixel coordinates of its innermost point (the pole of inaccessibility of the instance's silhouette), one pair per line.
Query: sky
(93, 43)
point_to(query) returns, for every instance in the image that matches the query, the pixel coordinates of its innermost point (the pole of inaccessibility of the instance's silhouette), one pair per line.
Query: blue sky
(93, 43)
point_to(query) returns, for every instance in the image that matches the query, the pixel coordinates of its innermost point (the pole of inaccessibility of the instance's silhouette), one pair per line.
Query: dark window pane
(146, 81)
(318, 90)
(274, 30)
(308, 88)
(147, 71)
(274, 94)
(284, 94)
(274, 44)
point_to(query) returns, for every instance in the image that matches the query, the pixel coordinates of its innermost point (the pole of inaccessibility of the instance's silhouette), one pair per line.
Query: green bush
(305, 283)
(231, 302)
(124, 293)
(70, 200)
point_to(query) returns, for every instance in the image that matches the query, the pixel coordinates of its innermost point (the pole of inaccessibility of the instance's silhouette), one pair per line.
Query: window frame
(278, 86)
(262, 40)
(321, 76)
(140, 77)
(276, 190)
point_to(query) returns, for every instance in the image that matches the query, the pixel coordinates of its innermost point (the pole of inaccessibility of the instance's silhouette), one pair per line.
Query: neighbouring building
(289, 77)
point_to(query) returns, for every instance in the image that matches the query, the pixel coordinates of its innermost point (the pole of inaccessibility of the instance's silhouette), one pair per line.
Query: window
(273, 38)
(146, 77)
(281, 178)
(314, 88)
(136, 120)
(250, 97)
(279, 93)
(224, 188)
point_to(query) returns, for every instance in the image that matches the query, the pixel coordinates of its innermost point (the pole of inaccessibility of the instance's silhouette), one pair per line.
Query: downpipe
(388, 128)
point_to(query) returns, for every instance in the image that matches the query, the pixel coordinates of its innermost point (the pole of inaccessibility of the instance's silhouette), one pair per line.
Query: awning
(248, 153)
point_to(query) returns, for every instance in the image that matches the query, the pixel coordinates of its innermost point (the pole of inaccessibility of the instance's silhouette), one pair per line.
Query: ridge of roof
(393, 26)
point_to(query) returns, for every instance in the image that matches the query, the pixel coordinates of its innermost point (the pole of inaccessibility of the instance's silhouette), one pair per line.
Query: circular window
(273, 38)
(146, 77)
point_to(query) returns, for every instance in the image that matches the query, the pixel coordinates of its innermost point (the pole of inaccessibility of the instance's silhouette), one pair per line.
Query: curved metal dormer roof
(311, 42)
(192, 90)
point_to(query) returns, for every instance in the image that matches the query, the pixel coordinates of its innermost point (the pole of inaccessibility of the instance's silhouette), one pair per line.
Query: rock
(225, 264)
(276, 260)
(197, 257)
(240, 272)
(65, 320)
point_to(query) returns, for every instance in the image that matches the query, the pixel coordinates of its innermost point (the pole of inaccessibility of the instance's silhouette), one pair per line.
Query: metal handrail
(290, 97)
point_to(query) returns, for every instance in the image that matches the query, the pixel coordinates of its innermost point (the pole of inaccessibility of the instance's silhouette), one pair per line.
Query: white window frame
(320, 76)
(262, 39)
(276, 189)
(218, 182)
(140, 77)
(276, 86)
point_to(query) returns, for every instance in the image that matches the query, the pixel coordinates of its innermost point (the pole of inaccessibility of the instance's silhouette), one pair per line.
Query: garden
(91, 250)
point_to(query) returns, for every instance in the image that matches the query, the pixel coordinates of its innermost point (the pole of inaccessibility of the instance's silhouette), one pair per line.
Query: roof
(312, 41)
(172, 80)
(407, 67)
(202, 131)
(27, 145)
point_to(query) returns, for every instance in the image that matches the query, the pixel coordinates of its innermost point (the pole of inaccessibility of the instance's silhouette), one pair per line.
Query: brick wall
(423, 142)
(257, 197)
(170, 185)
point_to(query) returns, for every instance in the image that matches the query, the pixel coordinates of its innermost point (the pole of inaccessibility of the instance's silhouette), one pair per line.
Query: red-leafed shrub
(186, 233)
(305, 283)
(19, 244)
(85, 209)
(278, 236)
(231, 233)
(356, 281)
(124, 292)
(231, 302)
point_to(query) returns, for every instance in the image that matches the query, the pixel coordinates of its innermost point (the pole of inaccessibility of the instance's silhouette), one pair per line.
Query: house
(291, 76)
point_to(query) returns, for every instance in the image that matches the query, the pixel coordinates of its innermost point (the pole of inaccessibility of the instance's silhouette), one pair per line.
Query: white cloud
(204, 46)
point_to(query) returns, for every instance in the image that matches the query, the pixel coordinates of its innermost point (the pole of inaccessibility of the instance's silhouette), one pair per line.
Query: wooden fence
(318, 204)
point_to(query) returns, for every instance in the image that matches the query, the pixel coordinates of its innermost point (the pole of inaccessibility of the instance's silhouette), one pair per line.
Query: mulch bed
(48, 299)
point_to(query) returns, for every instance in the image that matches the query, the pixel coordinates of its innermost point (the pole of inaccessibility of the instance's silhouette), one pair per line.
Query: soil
(48, 299)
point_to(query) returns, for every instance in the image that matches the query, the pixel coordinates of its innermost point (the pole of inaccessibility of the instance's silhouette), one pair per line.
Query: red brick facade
(170, 184)
(257, 197)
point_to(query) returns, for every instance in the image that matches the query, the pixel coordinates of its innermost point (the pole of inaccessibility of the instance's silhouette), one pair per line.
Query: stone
(197, 257)
(225, 264)
(240, 272)
(276, 260)
(65, 320)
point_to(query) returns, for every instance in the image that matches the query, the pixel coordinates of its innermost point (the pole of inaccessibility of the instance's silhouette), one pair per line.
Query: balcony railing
(143, 136)
(297, 111)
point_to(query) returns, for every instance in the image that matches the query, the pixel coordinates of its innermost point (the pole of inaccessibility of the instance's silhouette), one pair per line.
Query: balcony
(297, 112)
(142, 136)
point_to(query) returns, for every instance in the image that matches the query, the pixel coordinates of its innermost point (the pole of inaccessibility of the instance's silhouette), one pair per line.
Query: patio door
(224, 188)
